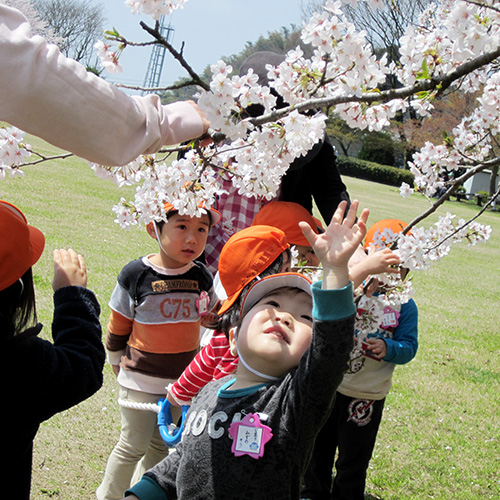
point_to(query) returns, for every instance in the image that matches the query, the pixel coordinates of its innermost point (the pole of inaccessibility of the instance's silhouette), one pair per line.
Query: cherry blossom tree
(455, 44)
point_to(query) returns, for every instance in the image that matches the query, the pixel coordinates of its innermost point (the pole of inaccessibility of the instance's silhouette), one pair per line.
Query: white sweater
(48, 95)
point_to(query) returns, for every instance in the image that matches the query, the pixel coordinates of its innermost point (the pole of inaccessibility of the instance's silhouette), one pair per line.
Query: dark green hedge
(384, 174)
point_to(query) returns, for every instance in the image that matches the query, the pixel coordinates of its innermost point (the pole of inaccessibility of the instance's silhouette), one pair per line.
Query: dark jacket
(41, 378)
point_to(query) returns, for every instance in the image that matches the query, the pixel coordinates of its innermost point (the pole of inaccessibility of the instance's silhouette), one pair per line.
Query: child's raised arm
(381, 261)
(338, 243)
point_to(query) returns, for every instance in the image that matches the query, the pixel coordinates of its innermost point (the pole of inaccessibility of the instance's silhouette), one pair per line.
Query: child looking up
(251, 435)
(153, 334)
(250, 254)
(352, 427)
(41, 378)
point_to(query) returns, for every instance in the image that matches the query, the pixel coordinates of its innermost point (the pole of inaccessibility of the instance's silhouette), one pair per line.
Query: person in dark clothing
(41, 378)
(314, 176)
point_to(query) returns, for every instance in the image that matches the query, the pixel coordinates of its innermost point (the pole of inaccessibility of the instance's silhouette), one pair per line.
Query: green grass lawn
(439, 437)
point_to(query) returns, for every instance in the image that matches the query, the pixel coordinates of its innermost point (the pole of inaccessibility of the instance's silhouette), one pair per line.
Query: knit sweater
(154, 327)
(204, 466)
(42, 378)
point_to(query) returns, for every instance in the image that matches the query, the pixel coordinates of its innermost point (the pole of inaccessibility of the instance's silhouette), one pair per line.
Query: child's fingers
(363, 219)
(308, 232)
(82, 264)
(350, 218)
(338, 215)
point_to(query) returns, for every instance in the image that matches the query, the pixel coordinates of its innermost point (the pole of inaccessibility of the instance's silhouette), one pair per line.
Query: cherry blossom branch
(449, 192)
(437, 83)
(470, 221)
(482, 4)
(43, 158)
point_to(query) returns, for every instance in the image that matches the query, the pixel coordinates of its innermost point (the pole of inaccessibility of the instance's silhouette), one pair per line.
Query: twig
(45, 158)
(177, 55)
(456, 184)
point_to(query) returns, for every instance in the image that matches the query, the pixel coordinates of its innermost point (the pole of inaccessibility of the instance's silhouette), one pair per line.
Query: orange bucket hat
(395, 225)
(215, 215)
(21, 245)
(286, 215)
(245, 255)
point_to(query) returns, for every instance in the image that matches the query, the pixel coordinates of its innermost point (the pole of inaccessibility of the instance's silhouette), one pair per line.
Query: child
(41, 378)
(245, 255)
(352, 427)
(251, 253)
(282, 387)
(153, 334)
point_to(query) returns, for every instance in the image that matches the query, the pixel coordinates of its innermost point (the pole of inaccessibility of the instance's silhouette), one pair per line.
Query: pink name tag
(390, 318)
(249, 436)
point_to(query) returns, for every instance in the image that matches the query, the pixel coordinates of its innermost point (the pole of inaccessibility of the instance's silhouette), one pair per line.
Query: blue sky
(209, 28)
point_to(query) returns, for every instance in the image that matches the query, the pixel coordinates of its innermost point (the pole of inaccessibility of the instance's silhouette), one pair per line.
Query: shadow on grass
(369, 496)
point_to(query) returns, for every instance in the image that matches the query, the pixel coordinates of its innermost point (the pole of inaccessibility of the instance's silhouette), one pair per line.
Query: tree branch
(454, 187)
(177, 55)
(440, 83)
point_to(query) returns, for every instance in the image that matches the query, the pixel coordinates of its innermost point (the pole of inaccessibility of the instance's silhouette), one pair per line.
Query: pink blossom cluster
(109, 56)
(154, 8)
(12, 151)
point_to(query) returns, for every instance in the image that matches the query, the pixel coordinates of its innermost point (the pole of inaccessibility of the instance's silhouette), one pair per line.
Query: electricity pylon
(155, 66)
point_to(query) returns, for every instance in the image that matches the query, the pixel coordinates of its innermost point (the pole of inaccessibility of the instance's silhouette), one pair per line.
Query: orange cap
(215, 215)
(21, 245)
(286, 215)
(245, 255)
(395, 225)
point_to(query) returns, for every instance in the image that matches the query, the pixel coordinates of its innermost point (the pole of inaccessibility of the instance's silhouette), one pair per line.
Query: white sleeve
(46, 94)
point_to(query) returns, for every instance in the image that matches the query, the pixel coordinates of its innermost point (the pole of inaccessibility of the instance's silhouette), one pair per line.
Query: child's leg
(318, 476)
(136, 432)
(156, 449)
(358, 429)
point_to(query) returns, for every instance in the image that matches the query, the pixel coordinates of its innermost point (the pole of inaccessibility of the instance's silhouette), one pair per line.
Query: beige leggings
(139, 448)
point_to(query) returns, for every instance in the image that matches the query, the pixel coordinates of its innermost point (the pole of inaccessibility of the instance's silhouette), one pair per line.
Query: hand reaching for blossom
(338, 243)
(377, 262)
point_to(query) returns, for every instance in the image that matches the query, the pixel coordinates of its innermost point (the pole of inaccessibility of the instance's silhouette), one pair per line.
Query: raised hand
(338, 243)
(69, 269)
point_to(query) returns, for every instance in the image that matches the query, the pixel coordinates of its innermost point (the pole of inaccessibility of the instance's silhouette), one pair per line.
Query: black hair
(161, 223)
(17, 306)
(231, 317)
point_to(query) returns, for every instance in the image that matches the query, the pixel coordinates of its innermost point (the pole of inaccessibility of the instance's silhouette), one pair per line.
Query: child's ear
(232, 342)
(150, 228)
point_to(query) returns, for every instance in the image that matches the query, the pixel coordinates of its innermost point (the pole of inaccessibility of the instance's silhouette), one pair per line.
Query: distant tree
(378, 147)
(384, 27)
(343, 135)
(78, 23)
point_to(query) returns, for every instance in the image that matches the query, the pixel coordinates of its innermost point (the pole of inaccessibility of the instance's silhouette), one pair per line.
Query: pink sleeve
(48, 95)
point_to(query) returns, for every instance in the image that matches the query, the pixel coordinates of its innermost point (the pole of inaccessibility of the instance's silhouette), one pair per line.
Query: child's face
(276, 332)
(183, 239)
(307, 255)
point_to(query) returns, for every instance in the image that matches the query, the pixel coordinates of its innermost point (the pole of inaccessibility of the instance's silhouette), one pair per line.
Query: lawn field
(439, 438)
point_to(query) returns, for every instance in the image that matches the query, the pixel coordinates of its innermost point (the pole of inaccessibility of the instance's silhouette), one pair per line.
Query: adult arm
(48, 95)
